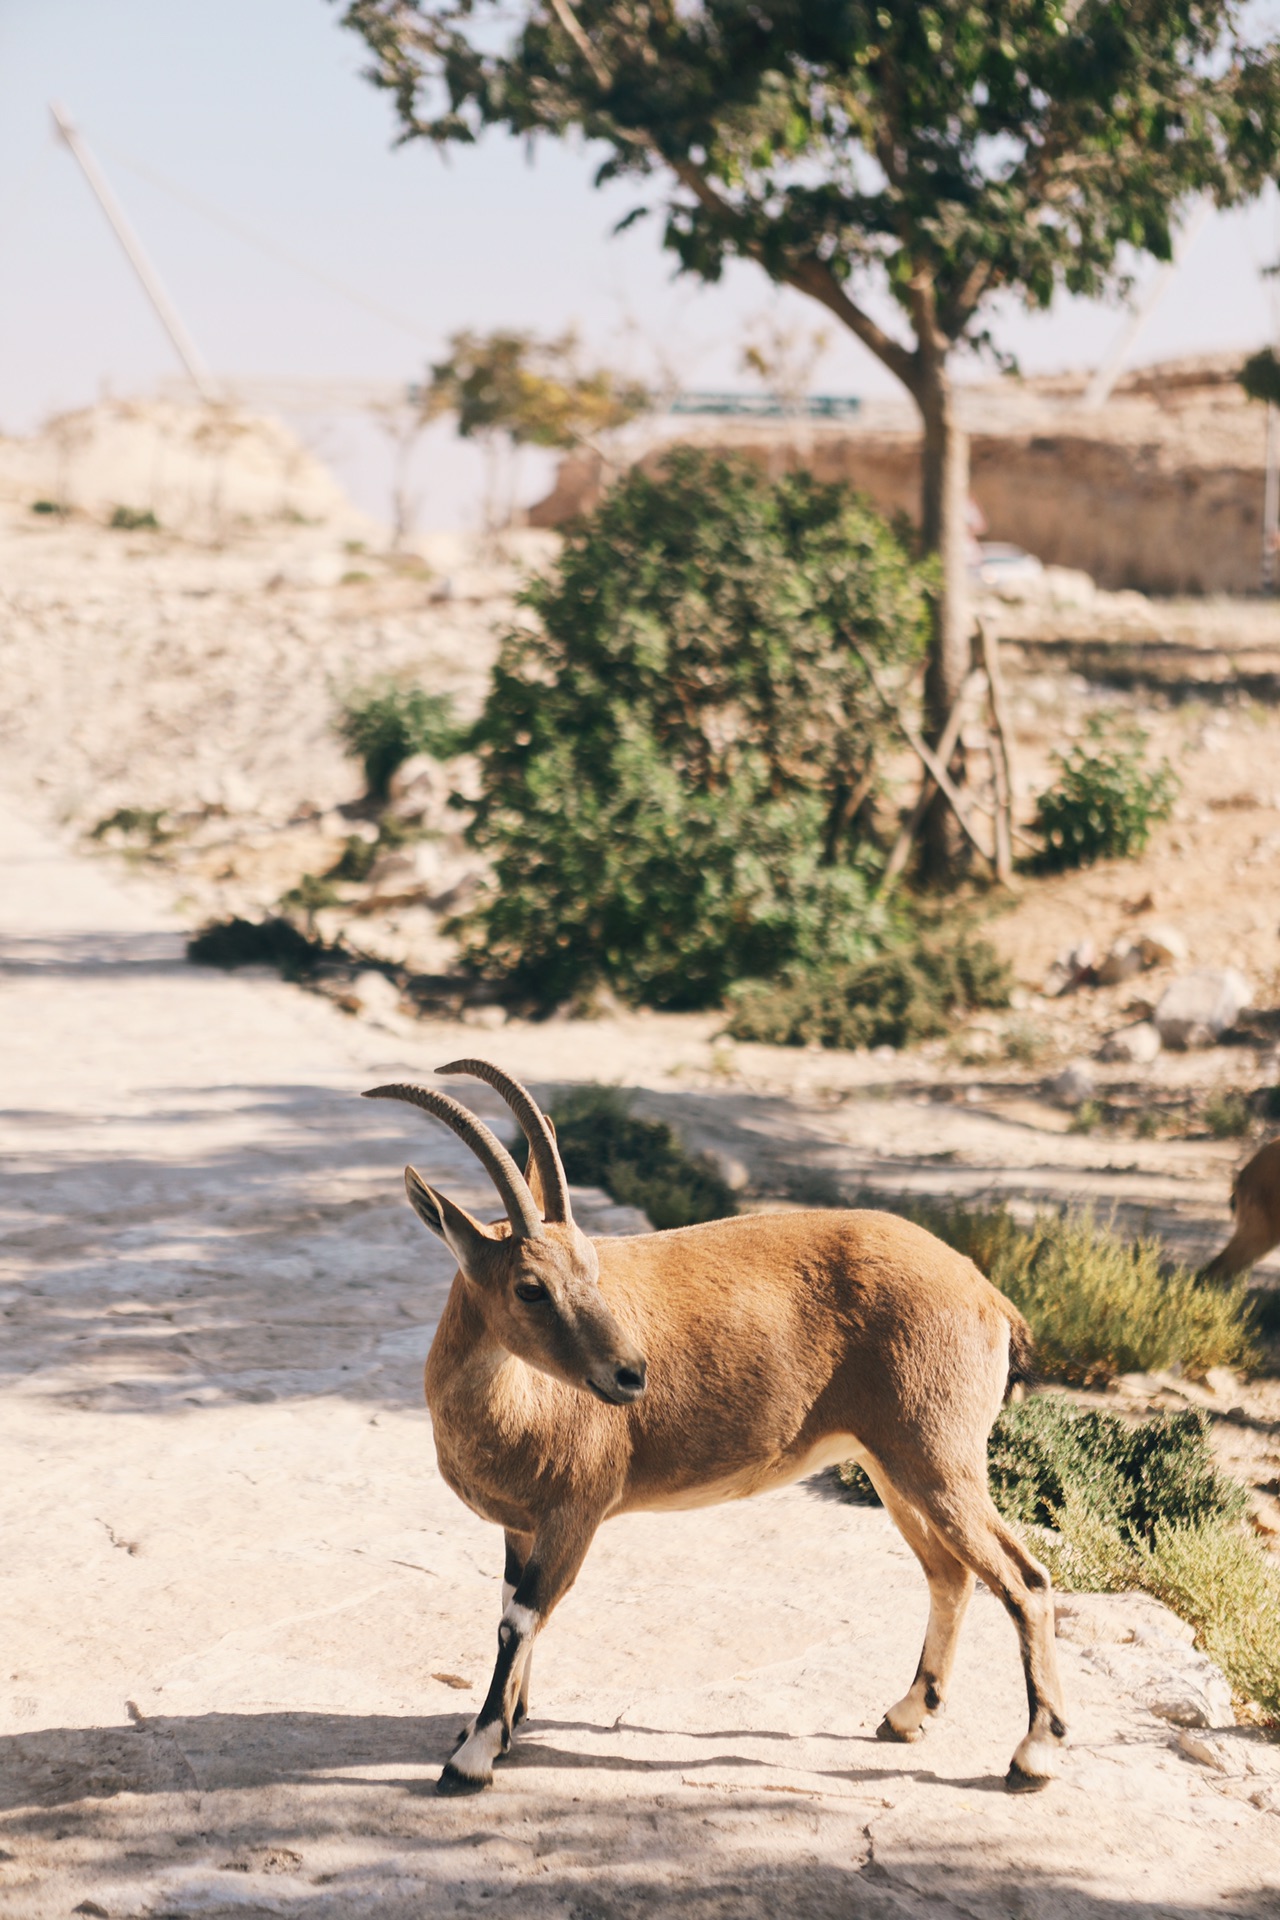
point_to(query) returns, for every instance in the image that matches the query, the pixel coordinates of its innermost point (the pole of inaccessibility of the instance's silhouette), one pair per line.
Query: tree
(529, 392)
(960, 149)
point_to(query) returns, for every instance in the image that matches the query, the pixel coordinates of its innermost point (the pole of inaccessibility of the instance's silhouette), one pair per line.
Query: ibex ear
(532, 1178)
(464, 1236)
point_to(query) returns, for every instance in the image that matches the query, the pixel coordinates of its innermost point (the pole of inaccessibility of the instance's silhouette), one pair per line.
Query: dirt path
(244, 1619)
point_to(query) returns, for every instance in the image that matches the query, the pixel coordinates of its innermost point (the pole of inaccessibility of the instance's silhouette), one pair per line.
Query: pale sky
(256, 107)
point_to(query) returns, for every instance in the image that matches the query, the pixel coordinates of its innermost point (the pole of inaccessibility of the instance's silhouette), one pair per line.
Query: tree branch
(815, 278)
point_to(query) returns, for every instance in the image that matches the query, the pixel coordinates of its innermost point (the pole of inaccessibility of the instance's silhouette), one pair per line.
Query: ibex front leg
(559, 1548)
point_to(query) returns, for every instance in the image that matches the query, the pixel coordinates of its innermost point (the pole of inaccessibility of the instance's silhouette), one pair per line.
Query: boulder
(1199, 1007)
(1071, 968)
(1162, 946)
(1138, 1044)
(1124, 958)
(1074, 1085)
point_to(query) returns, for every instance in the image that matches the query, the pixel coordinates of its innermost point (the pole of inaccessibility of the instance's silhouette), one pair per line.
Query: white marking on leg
(522, 1620)
(476, 1756)
(507, 1591)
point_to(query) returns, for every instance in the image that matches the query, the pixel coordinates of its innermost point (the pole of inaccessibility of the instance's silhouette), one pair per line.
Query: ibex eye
(530, 1290)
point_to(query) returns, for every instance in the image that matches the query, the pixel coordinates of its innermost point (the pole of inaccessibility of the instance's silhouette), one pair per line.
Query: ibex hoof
(887, 1731)
(1018, 1780)
(451, 1781)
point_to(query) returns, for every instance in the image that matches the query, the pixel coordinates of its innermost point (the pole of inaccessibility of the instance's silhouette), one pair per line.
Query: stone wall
(1162, 491)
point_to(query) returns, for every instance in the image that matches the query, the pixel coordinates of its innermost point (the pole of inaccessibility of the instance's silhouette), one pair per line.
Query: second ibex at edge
(571, 1380)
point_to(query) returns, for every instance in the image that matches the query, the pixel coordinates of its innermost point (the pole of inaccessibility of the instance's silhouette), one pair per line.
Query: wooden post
(1001, 754)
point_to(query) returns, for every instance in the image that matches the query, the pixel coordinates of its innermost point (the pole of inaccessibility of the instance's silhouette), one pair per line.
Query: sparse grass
(1099, 1304)
(134, 520)
(355, 862)
(640, 1163)
(140, 824)
(1114, 1507)
(307, 898)
(1024, 1044)
(1227, 1115)
(1087, 1118)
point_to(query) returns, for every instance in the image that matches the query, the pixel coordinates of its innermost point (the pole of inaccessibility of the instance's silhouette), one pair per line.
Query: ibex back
(571, 1380)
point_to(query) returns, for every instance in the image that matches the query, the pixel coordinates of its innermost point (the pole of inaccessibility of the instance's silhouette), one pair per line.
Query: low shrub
(639, 1163)
(134, 520)
(1228, 1115)
(1130, 1478)
(385, 725)
(913, 992)
(1104, 802)
(147, 824)
(256, 943)
(1113, 1507)
(1099, 1304)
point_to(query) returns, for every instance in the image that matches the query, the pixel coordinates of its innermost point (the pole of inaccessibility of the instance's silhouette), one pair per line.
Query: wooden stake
(1002, 754)
(926, 755)
(928, 786)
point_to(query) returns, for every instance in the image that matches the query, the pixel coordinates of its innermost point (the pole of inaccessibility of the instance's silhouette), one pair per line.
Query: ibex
(1255, 1201)
(570, 1380)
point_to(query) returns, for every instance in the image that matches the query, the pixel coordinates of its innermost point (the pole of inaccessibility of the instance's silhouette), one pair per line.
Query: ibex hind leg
(950, 1589)
(962, 1514)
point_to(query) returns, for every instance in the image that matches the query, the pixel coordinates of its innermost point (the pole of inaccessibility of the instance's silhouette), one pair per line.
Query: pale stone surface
(245, 1620)
(1199, 1007)
(1074, 1085)
(1138, 1044)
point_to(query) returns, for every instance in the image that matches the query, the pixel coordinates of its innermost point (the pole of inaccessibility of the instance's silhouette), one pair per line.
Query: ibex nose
(629, 1380)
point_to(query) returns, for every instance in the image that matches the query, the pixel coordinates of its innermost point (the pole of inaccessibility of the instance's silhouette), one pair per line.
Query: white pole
(1098, 391)
(166, 312)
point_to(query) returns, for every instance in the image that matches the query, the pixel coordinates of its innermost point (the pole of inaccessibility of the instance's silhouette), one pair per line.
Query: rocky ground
(186, 688)
(244, 1618)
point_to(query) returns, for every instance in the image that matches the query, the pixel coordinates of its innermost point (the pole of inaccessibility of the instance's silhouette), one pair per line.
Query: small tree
(530, 393)
(677, 761)
(957, 149)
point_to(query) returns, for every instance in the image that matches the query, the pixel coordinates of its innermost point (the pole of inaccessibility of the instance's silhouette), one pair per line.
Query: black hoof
(1017, 1780)
(451, 1781)
(887, 1731)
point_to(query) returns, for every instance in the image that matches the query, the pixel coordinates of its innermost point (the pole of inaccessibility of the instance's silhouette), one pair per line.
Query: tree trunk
(944, 512)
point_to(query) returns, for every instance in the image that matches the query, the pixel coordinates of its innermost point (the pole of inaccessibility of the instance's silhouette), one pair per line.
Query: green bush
(1130, 1478)
(385, 725)
(134, 520)
(1228, 1115)
(678, 760)
(1099, 1304)
(640, 1163)
(912, 992)
(1104, 802)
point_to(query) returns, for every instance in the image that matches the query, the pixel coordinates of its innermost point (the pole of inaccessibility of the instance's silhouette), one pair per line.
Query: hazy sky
(256, 106)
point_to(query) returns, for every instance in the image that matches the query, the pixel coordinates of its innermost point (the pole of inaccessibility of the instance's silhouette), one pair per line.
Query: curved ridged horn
(502, 1169)
(534, 1126)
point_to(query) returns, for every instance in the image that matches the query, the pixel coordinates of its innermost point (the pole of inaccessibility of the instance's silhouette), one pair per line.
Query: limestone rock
(1199, 1007)
(1224, 1756)
(376, 996)
(1138, 1044)
(1074, 1085)
(1194, 1693)
(1072, 968)
(1162, 946)
(1124, 958)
